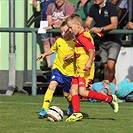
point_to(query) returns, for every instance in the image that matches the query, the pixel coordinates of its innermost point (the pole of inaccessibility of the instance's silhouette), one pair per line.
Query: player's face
(66, 34)
(60, 2)
(73, 28)
(114, 2)
(98, 1)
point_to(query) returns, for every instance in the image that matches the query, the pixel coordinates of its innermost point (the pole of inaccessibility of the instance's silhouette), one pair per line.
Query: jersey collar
(103, 6)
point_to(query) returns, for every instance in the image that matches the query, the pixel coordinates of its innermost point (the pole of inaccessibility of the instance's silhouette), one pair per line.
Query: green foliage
(19, 114)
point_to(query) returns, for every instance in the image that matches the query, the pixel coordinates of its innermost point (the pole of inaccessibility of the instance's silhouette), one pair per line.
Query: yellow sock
(47, 99)
(69, 98)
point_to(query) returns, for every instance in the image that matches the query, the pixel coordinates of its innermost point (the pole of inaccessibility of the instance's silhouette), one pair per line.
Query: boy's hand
(68, 57)
(47, 28)
(105, 85)
(34, 4)
(106, 81)
(87, 66)
(40, 56)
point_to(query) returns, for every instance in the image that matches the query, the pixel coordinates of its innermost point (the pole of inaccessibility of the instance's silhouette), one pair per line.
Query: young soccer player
(84, 52)
(62, 72)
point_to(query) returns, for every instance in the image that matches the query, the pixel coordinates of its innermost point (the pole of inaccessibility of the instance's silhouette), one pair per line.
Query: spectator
(130, 24)
(62, 72)
(122, 8)
(106, 18)
(84, 52)
(82, 9)
(41, 7)
(56, 14)
(47, 37)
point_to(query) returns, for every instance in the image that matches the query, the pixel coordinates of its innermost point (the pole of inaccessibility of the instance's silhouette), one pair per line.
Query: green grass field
(19, 114)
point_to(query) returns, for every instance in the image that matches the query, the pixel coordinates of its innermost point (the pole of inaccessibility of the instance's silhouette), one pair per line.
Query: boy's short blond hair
(74, 18)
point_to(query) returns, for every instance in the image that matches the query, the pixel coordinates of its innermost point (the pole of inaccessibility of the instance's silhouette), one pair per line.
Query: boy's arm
(112, 26)
(68, 57)
(49, 52)
(87, 23)
(91, 58)
(102, 92)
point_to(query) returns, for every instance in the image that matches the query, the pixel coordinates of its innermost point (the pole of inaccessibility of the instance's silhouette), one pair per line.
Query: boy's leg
(66, 92)
(95, 95)
(112, 100)
(48, 98)
(46, 45)
(69, 100)
(46, 102)
(76, 116)
(98, 96)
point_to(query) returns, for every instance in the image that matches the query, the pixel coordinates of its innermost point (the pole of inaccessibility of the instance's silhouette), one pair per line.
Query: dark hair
(63, 24)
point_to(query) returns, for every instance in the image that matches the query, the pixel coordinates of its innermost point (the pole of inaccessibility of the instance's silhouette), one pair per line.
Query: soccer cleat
(114, 103)
(69, 110)
(42, 114)
(74, 117)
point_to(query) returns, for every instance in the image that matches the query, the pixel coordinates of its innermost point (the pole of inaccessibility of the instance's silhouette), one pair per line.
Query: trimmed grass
(19, 114)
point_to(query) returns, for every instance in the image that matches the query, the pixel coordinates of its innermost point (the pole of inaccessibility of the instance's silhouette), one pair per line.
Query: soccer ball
(55, 114)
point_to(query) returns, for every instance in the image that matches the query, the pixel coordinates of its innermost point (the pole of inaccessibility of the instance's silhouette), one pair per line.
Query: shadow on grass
(86, 116)
(112, 119)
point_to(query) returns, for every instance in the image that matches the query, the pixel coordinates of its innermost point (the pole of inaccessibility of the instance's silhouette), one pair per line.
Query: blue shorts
(124, 88)
(46, 36)
(63, 80)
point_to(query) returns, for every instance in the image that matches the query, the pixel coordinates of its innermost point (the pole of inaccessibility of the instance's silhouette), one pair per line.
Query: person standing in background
(106, 18)
(56, 14)
(122, 8)
(46, 38)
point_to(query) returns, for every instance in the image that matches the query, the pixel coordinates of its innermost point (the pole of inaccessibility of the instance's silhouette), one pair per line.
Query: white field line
(28, 103)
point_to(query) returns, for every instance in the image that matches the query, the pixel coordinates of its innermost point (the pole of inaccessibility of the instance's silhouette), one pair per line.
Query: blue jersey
(124, 88)
(99, 86)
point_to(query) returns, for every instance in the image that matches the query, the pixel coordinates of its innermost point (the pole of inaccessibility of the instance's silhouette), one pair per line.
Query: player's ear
(78, 24)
